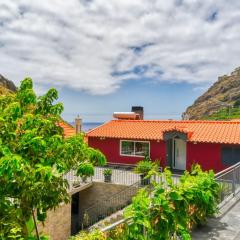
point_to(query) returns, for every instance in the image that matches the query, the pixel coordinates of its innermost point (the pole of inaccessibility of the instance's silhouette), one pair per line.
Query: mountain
(6, 86)
(222, 95)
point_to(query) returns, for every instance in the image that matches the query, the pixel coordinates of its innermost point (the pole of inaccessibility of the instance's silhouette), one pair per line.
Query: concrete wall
(58, 223)
(98, 193)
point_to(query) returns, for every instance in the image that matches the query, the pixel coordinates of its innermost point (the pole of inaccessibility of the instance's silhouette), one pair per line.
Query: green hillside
(225, 114)
(216, 100)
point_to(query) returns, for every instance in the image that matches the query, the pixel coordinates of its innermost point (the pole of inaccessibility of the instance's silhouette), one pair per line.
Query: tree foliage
(168, 212)
(34, 156)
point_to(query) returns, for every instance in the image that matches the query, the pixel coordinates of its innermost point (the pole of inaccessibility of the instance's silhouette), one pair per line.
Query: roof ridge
(93, 129)
(179, 121)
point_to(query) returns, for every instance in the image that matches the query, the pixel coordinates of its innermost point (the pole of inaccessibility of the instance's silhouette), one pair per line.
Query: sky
(105, 56)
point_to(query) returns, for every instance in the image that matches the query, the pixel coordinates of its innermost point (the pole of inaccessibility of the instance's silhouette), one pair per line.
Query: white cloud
(80, 43)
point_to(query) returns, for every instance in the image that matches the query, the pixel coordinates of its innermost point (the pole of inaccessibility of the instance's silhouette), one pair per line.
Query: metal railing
(110, 205)
(75, 181)
(120, 175)
(229, 181)
(121, 199)
(123, 175)
(162, 180)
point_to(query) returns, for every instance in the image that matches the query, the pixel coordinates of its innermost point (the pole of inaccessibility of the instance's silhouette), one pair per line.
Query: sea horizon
(87, 126)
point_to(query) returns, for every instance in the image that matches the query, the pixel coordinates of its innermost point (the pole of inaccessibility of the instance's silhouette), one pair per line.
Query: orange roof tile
(227, 132)
(67, 129)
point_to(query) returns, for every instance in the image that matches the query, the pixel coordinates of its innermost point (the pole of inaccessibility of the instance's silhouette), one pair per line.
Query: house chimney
(138, 110)
(78, 124)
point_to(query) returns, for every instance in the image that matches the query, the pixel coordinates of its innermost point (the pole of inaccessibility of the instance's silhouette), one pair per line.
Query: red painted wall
(206, 154)
(110, 147)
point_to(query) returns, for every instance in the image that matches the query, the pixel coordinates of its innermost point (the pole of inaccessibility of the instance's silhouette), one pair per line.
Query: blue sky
(160, 101)
(105, 56)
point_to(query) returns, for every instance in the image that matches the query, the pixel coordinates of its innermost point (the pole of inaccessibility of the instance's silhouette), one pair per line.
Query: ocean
(86, 126)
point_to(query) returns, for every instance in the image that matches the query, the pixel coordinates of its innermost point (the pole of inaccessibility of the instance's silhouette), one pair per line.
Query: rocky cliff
(6, 85)
(223, 93)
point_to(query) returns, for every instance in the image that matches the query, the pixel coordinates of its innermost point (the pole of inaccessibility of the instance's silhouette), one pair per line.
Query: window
(134, 148)
(230, 155)
(127, 148)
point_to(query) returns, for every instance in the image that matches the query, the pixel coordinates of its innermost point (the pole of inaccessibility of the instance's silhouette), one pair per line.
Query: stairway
(111, 209)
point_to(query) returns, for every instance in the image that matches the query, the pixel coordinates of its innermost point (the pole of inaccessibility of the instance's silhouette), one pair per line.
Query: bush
(165, 213)
(146, 166)
(107, 172)
(85, 170)
(94, 235)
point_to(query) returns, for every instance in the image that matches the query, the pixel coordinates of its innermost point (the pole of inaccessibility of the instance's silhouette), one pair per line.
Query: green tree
(34, 156)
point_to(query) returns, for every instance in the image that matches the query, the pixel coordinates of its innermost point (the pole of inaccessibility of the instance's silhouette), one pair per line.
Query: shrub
(107, 172)
(165, 213)
(94, 235)
(146, 166)
(85, 170)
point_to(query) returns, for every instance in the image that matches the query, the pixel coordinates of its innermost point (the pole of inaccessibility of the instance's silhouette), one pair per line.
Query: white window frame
(134, 141)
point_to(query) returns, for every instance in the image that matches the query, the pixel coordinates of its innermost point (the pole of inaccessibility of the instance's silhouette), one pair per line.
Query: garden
(166, 212)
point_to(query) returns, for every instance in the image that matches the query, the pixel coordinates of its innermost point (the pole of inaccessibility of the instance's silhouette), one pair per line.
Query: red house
(177, 144)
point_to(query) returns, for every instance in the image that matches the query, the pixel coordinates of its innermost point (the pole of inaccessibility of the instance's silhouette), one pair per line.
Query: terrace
(125, 183)
(122, 175)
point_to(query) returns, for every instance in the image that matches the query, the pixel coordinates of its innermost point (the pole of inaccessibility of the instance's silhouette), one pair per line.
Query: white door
(179, 155)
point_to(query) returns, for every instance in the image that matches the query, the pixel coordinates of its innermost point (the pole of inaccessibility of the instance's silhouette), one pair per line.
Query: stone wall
(58, 223)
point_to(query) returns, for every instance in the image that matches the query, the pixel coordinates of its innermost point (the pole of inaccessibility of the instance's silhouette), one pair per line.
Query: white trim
(173, 154)
(134, 141)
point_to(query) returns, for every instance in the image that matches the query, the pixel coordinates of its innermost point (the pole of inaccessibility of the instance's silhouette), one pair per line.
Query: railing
(229, 181)
(119, 200)
(162, 180)
(119, 175)
(75, 181)
(110, 205)
(122, 175)
(158, 179)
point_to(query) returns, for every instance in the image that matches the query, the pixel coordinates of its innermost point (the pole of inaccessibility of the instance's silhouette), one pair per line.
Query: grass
(225, 114)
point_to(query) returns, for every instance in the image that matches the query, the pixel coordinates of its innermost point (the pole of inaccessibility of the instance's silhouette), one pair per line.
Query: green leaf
(30, 225)
(175, 196)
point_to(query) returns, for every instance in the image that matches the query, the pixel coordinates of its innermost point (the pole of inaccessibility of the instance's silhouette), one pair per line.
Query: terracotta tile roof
(68, 129)
(227, 132)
